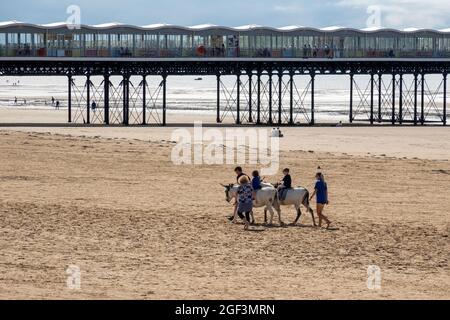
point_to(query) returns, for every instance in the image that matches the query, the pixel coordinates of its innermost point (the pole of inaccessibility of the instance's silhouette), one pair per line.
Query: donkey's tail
(306, 202)
(276, 200)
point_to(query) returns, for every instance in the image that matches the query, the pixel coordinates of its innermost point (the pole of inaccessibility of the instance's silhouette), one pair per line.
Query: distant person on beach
(276, 133)
(15, 100)
(273, 133)
(53, 101)
(57, 105)
(321, 194)
(280, 134)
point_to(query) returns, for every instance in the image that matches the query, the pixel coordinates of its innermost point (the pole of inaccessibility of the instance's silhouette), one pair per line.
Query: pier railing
(212, 52)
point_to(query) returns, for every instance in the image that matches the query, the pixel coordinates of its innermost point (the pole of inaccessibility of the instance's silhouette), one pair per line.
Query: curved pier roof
(211, 27)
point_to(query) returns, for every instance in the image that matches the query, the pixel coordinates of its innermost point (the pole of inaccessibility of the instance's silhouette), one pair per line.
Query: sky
(276, 13)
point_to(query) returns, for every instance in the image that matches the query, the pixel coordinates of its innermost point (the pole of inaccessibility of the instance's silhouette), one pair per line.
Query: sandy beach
(110, 201)
(399, 142)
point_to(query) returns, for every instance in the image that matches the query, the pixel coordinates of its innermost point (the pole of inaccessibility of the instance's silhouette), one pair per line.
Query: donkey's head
(228, 193)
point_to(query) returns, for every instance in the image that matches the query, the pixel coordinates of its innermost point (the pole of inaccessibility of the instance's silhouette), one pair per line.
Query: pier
(265, 90)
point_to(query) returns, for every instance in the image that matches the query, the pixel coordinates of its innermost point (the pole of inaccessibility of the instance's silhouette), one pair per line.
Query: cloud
(406, 13)
(276, 13)
(288, 8)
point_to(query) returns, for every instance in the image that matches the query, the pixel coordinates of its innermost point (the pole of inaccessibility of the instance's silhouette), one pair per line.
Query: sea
(194, 94)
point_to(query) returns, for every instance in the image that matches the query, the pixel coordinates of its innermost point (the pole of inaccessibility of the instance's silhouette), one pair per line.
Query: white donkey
(266, 197)
(295, 197)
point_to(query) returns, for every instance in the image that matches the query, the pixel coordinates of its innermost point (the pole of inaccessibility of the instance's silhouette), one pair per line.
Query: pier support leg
(164, 115)
(238, 100)
(422, 104)
(258, 103)
(69, 99)
(444, 119)
(106, 85)
(416, 100)
(393, 99)
(372, 86)
(280, 98)
(144, 100)
(380, 98)
(218, 99)
(270, 98)
(400, 103)
(126, 99)
(88, 100)
(291, 99)
(250, 99)
(351, 98)
(313, 120)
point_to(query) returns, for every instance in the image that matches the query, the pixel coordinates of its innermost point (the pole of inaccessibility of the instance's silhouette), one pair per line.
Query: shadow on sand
(261, 227)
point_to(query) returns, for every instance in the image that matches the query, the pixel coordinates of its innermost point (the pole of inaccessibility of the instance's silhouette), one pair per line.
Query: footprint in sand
(441, 171)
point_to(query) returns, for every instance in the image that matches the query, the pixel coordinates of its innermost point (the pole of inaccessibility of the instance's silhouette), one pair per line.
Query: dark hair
(238, 169)
(286, 170)
(255, 173)
(320, 176)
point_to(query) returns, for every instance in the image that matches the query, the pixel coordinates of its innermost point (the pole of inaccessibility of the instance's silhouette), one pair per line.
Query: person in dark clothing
(239, 173)
(286, 184)
(256, 181)
(287, 179)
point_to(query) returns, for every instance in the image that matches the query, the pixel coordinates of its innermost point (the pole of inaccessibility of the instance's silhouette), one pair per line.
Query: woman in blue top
(321, 193)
